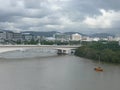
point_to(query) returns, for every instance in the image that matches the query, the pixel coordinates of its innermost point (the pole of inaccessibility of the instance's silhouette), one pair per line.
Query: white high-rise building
(76, 37)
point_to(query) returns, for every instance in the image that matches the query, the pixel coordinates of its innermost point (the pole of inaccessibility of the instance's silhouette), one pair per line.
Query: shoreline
(2, 50)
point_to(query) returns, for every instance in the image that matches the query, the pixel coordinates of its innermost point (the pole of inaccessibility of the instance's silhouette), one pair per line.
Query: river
(32, 70)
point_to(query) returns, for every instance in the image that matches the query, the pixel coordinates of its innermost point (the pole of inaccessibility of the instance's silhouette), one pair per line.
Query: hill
(101, 35)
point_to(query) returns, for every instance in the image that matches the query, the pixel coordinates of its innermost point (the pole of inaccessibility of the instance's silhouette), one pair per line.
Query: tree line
(106, 51)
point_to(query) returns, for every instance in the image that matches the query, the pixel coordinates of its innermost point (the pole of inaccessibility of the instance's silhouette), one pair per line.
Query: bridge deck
(5, 48)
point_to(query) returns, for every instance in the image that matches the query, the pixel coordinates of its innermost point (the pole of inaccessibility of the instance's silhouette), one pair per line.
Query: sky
(85, 16)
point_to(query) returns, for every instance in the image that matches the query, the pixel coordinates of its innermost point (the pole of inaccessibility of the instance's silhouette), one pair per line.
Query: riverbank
(2, 50)
(109, 52)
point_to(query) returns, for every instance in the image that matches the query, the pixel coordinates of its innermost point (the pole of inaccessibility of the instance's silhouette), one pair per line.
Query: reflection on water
(27, 53)
(54, 72)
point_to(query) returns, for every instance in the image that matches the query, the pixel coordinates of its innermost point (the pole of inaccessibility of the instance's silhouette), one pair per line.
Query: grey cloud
(72, 12)
(34, 3)
(91, 7)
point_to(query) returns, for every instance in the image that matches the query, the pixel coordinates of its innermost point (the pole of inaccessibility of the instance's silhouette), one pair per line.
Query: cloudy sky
(85, 16)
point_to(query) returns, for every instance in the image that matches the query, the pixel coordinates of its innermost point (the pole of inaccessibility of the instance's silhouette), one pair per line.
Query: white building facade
(76, 37)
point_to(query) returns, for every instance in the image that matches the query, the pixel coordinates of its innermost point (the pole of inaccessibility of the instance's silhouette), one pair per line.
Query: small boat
(98, 69)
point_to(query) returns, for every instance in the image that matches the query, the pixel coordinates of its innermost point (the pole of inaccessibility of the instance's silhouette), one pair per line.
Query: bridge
(61, 49)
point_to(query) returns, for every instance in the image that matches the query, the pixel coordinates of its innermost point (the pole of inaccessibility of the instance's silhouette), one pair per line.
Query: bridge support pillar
(61, 51)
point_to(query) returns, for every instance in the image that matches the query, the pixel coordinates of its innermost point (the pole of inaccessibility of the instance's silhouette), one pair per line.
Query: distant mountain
(101, 35)
(46, 34)
(5, 30)
(70, 33)
(50, 33)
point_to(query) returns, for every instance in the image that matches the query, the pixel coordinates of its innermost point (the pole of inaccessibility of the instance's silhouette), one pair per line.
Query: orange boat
(98, 69)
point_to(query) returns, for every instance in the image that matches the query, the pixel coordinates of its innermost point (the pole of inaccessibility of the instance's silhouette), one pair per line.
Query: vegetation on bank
(47, 42)
(106, 51)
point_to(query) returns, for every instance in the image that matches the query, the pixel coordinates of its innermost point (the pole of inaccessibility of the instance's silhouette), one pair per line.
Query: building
(6, 37)
(9, 35)
(76, 37)
(27, 36)
(17, 36)
(86, 38)
(3, 35)
(110, 38)
(61, 37)
(117, 38)
(50, 38)
(96, 39)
